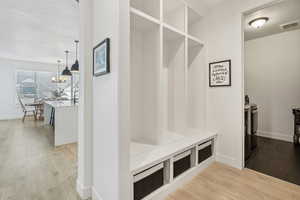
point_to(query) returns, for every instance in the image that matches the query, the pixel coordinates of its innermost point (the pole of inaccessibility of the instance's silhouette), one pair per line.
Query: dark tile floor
(276, 158)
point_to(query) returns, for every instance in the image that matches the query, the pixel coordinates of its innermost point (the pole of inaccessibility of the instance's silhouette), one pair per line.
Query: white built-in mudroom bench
(169, 140)
(158, 169)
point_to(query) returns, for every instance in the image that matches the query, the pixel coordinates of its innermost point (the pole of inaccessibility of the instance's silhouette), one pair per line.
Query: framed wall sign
(101, 58)
(220, 74)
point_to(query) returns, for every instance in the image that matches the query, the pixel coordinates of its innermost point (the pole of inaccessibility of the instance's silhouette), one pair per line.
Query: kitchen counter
(58, 104)
(63, 117)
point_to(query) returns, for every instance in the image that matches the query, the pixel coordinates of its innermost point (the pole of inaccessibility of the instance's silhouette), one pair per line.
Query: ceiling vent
(289, 25)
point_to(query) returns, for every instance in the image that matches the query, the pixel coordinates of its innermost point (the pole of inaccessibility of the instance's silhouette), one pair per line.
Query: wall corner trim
(84, 192)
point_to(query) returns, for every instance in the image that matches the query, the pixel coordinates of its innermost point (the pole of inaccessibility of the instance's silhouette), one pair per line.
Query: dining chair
(27, 109)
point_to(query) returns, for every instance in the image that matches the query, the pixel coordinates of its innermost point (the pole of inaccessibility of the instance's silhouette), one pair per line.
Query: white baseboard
(228, 161)
(10, 117)
(95, 195)
(277, 136)
(83, 191)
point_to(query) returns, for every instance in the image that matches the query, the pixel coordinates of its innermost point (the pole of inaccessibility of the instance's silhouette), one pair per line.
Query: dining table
(39, 109)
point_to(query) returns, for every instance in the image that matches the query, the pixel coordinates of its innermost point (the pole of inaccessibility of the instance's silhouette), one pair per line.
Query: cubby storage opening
(148, 181)
(150, 7)
(194, 23)
(205, 151)
(174, 14)
(196, 91)
(174, 81)
(182, 163)
(145, 60)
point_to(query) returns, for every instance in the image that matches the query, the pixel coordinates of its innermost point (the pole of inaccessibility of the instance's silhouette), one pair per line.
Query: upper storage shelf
(194, 42)
(194, 23)
(174, 14)
(150, 7)
(172, 34)
(141, 22)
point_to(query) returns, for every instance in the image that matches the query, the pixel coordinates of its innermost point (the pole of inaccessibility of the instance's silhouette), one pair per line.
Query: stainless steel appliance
(296, 112)
(247, 139)
(254, 125)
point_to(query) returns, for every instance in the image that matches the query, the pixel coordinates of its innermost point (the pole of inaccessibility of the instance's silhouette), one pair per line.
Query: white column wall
(110, 104)
(85, 109)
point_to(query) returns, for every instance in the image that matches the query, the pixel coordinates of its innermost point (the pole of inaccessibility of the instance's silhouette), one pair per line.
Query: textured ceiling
(41, 30)
(203, 5)
(281, 13)
(210, 3)
(38, 30)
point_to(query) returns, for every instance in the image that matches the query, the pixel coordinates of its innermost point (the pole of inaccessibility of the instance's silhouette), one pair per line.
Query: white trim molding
(84, 192)
(277, 136)
(95, 195)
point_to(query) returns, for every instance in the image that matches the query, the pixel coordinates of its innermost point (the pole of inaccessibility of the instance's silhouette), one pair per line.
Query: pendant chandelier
(66, 71)
(55, 78)
(58, 78)
(75, 66)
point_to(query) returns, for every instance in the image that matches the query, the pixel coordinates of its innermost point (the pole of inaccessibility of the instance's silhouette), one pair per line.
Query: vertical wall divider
(194, 157)
(171, 169)
(186, 64)
(159, 85)
(167, 174)
(132, 188)
(197, 152)
(214, 146)
(161, 75)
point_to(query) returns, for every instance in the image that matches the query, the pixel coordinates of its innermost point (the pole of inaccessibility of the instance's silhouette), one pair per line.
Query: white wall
(224, 40)
(9, 108)
(111, 103)
(272, 69)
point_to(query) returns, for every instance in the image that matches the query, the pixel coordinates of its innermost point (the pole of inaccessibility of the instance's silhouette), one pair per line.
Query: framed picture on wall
(220, 74)
(101, 58)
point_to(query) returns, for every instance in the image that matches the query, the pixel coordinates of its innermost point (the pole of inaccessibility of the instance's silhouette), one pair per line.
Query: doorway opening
(38, 110)
(272, 98)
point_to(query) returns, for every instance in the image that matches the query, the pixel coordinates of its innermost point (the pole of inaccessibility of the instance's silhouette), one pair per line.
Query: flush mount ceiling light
(258, 22)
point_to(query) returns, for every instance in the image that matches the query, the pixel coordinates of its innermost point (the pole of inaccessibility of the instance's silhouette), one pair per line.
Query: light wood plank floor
(31, 168)
(220, 182)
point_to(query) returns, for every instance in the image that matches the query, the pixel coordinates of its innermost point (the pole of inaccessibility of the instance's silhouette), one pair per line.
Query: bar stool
(52, 118)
